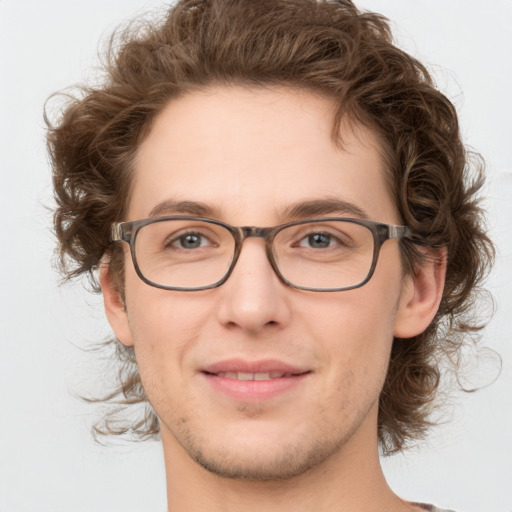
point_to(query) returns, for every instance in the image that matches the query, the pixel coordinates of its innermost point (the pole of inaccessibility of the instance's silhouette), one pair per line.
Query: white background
(48, 461)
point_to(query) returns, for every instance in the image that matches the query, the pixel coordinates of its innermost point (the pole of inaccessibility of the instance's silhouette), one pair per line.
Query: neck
(351, 479)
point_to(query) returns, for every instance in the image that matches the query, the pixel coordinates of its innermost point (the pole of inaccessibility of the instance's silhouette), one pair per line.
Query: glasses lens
(184, 253)
(325, 254)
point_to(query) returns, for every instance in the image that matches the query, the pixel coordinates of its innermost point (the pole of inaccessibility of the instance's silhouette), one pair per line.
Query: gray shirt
(432, 508)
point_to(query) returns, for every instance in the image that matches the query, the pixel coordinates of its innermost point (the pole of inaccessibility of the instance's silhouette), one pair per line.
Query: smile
(256, 381)
(253, 376)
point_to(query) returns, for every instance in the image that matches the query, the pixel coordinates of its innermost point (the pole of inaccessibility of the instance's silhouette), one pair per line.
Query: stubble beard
(284, 462)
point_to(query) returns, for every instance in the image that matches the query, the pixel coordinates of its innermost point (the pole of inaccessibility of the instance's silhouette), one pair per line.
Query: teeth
(277, 375)
(252, 376)
(245, 376)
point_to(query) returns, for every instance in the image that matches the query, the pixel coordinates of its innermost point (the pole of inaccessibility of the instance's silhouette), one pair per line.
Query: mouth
(253, 376)
(253, 381)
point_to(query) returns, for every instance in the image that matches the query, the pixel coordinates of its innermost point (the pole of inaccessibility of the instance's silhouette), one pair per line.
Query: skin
(249, 154)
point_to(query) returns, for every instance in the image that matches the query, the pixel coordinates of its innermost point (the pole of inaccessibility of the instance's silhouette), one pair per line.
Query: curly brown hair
(329, 47)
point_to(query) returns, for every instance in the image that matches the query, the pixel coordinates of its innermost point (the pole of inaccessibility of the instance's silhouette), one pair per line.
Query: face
(245, 157)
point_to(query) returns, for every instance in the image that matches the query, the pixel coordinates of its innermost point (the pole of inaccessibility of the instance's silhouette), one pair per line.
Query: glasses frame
(127, 232)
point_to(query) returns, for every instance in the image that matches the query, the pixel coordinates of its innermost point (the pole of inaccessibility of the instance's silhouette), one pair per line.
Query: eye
(190, 241)
(318, 241)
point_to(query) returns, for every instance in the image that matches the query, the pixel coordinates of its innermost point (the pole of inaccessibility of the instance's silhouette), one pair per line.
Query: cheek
(165, 325)
(354, 331)
(165, 330)
(357, 318)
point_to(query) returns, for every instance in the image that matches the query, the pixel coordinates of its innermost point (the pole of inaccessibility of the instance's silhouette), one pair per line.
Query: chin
(261, 461)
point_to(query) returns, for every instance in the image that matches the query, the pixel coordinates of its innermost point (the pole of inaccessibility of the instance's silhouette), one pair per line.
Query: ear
(421, 295)
(115, 307)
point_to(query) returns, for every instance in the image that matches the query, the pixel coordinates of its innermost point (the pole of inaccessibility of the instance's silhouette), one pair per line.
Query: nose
(253, 298)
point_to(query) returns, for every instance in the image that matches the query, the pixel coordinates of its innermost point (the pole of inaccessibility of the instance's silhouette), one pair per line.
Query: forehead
(249, 154)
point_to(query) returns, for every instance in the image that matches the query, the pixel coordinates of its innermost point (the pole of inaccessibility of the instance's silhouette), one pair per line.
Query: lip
(253, 390)
(261, 366)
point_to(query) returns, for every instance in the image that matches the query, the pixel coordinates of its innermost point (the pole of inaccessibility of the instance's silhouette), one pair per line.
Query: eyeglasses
(192, 253)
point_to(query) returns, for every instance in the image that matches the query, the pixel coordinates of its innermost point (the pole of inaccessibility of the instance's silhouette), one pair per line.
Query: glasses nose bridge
(267, 234)
(256, 232)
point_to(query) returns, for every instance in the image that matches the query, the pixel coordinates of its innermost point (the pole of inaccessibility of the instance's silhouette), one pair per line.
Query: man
(277, 204)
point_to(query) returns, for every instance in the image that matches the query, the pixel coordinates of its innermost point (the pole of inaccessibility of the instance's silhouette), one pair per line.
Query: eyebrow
(173, 207)
(300, 210)
(317, 207)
